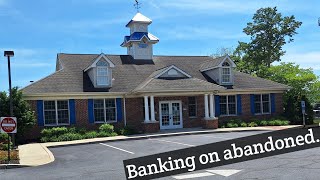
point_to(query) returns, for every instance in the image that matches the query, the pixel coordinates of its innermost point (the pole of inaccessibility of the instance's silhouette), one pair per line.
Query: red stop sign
(8, 125)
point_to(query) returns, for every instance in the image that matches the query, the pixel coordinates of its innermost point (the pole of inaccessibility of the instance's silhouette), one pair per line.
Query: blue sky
(37, 30)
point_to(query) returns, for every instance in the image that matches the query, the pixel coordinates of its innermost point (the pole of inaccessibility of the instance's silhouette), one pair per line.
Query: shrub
(252, 124)
(263, 123)
(285, 123)
(45, 139)
(126, 131)
(108, 128)
(243, 124)
(271, 123)
(3, 137)
(69, 137)
(91, 134)
(232, 125)
(277, 122)
(56, 131)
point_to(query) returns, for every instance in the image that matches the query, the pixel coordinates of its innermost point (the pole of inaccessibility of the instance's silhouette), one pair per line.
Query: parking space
(105, 160)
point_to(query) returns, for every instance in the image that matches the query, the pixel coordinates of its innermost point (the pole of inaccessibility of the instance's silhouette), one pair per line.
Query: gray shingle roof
(128, 74)
(211, 64)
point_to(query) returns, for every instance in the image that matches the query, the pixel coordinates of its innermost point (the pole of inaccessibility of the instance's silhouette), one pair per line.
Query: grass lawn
(14, 154)
(316, 120)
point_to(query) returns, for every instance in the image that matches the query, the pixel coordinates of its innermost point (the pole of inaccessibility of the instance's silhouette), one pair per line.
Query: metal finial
(137, 5)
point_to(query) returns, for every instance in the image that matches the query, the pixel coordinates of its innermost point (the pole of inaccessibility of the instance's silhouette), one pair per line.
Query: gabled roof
(217, 62)
(128, 74)
(138, 36)
(177, 85)
(166, 69)
(139, 18)
(94, 64)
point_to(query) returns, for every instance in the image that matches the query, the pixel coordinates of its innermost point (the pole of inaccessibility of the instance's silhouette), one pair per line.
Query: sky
(37, 30)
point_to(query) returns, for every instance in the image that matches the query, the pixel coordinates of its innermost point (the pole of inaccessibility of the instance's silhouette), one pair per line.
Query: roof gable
(101, 56)
(216, 63)
(172, 70)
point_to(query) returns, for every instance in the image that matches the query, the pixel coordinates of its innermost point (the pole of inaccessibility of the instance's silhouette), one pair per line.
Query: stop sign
(8, 124)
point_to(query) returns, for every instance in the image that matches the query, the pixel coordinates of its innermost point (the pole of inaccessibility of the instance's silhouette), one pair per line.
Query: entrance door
(170, 114)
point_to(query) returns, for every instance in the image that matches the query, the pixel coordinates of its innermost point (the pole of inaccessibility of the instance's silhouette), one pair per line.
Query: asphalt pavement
(104, 160)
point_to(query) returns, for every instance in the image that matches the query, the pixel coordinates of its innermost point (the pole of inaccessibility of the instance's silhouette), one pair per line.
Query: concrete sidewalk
(37, 154)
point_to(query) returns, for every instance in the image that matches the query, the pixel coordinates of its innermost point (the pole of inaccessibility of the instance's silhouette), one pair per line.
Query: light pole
(9, 54)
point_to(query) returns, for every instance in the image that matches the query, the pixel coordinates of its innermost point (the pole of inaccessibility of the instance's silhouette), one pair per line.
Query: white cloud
(305, 60)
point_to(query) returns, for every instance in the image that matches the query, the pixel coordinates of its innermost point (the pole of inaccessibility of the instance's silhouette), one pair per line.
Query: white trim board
(172, 67)
(98, 59)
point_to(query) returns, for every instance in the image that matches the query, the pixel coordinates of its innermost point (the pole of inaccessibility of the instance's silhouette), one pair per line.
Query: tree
(304, 86)
(268, 32)
(21, 110)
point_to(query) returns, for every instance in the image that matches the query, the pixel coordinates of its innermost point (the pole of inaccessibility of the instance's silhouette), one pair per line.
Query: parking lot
(105, 161)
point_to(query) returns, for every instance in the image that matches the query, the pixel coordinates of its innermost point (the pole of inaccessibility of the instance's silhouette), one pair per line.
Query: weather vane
(137, 5)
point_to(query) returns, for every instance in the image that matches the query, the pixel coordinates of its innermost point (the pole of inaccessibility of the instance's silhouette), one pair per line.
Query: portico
(171, 112)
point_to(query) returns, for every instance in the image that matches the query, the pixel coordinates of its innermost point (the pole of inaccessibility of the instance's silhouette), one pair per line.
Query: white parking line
(116, 148)
(171, 142)
(214, 136)
(196, 175)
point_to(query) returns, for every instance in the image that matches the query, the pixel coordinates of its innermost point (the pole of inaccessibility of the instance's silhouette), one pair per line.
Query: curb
(127, 138)
(12, 166)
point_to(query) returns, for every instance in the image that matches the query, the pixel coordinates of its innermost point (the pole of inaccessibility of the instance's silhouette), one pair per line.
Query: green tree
(304, 86)
(21, 110)
(268, 32)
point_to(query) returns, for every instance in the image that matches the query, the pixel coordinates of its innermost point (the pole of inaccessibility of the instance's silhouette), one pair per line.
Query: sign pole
(9, 158)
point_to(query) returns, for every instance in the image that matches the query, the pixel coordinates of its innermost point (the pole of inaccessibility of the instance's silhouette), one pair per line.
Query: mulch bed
(14, 154)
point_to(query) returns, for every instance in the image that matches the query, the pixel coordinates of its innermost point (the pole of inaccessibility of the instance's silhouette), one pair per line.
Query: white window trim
(230, 80)
(227, 103)
(107, 76)
(261, 105)
(56, 110)
(104, 112)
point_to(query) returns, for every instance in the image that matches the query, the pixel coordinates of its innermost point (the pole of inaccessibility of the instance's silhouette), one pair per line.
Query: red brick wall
(246, 109)
(135, 113)
(82, 119)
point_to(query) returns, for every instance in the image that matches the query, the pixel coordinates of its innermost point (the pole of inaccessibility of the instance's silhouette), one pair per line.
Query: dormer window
(226, 73)
(102, 73)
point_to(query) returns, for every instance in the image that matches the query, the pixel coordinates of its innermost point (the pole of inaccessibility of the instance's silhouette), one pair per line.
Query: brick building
(149, 92)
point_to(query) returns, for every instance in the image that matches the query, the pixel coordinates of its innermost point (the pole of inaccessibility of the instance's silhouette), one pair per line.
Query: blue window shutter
(90, 111)
(119, 109)
(252, 104)
(239, 104)
(72, 111)
(217, 104)
(273, 103)
(40, 113)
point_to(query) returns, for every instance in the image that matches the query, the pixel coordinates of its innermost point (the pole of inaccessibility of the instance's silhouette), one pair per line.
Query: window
(102, 73)
(104, 110)
(228, 105)
(56, 112)
(192, 103)
(262, 103)
(226, 72)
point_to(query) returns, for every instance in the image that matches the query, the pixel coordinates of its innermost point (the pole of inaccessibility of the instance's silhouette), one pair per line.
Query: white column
(146, 109)
(212, 113)
(206, 109)
(152, 108)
